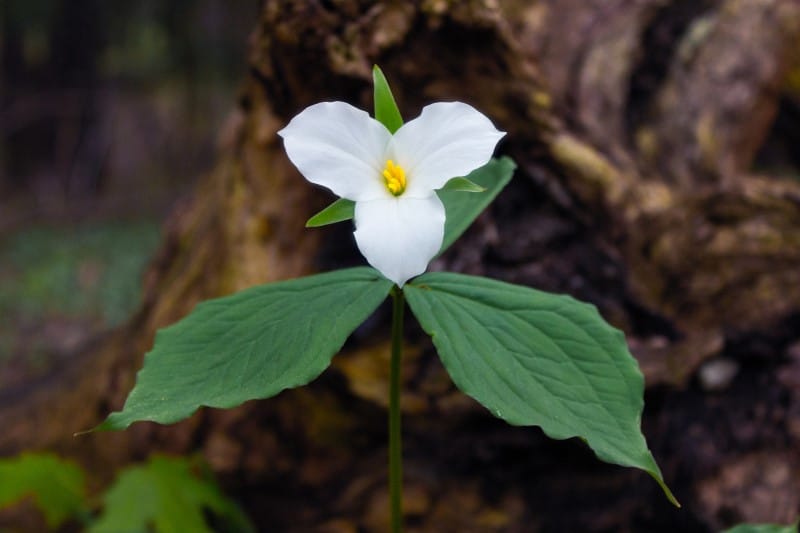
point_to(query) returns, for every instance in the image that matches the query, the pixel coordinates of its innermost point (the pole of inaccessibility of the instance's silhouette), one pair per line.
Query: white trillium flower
(392, 179)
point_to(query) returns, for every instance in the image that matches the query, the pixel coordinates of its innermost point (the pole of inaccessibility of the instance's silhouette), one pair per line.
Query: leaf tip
(102, 426)
(109, 424)
(667, 492)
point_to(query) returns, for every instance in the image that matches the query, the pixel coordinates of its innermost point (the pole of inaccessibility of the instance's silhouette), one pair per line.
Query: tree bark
(635, 125)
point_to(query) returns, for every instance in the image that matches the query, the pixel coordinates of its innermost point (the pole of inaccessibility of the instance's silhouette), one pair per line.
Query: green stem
(395, 441)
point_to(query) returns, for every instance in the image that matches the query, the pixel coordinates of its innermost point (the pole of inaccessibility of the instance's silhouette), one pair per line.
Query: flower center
(395, 178)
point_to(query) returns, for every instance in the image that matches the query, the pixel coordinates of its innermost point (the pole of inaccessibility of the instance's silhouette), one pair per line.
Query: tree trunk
(636, 125)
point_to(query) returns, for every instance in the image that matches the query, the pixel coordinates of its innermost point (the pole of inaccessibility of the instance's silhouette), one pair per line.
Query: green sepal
(462, 185)
(462, 209)
(386, 111)
(339, 211)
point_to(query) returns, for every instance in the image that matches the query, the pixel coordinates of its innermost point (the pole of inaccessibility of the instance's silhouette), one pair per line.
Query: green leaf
(56, 485)
(252, 344)
(462, 185)
(386, 111)
(167, 495)
(763, 528)
(462, 209)
(534, 358)
(339, 211)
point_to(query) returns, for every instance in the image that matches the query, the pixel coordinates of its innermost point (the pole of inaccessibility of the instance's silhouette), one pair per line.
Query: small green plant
(531, 358)
(763, 528)
(164, 495)
(167, 494)
(56, 486)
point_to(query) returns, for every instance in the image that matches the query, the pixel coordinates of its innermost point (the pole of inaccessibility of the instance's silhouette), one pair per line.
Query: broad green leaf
(56, 485)
(166, 495)
(252, 344)
(386, 111)
(462, 209)
(534, 358)
(763, 528)
(462, 185)
(339, 211)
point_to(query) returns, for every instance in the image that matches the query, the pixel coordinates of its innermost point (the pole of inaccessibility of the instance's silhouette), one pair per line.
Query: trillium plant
(529, 357)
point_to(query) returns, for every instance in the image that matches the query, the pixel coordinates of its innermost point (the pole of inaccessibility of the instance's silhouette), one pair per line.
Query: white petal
(399, 236)
(448, 139)
(340, 147)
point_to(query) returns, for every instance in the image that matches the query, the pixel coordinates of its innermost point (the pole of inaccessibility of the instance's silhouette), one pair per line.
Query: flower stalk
(395, 430)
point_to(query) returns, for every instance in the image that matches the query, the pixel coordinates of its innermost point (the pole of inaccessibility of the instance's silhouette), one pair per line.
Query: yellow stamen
(395, 178)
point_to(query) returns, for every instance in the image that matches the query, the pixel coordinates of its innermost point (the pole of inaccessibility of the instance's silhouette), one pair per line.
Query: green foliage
(462, 209)
(167, 495)
(386, 111)
(56, 485)
(252, 344)
(530, 357)
(534, 358)
(339, 211)
(763, 528)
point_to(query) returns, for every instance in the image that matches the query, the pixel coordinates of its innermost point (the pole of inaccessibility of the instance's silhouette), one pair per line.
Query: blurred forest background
(109, 112)
(658, 152)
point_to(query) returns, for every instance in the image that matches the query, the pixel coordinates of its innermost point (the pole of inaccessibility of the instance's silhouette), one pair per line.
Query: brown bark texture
(639, 127)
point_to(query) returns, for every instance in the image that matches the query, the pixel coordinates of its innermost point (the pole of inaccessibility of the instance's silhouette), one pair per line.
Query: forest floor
(60, 285)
